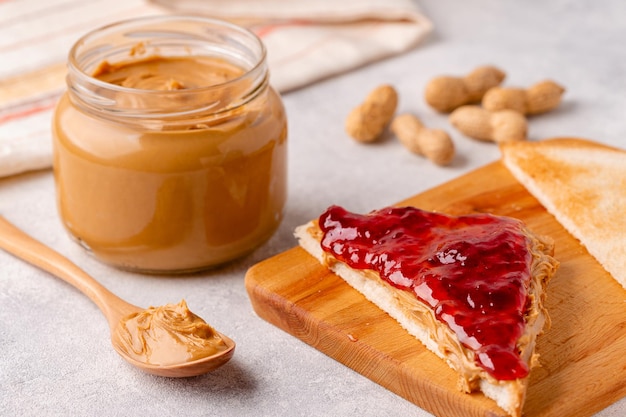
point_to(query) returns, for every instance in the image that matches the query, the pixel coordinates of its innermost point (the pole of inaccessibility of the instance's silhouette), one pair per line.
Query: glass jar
(170, 147)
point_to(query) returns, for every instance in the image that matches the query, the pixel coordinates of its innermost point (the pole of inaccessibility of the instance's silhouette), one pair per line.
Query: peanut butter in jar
(170, 145)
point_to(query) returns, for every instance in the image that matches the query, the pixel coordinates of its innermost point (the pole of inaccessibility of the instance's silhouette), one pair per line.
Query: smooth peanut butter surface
(168, 335)
(172, 73)
(179, 194)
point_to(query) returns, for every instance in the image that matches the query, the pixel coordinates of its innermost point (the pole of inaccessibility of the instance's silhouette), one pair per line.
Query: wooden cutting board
(583, 354)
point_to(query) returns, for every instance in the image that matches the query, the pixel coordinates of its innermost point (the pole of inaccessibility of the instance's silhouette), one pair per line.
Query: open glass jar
(170, 147)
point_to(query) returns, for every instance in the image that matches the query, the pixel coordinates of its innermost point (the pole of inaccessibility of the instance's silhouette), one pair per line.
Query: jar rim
(75, 69)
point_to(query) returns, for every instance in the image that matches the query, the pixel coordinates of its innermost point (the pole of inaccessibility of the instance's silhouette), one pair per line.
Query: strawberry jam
(472, 270)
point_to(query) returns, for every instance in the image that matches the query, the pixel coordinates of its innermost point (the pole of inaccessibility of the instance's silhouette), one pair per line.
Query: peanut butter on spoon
(167, 341)
(167, 335)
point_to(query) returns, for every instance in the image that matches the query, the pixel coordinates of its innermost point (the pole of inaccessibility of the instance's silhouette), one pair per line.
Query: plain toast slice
(583, 185)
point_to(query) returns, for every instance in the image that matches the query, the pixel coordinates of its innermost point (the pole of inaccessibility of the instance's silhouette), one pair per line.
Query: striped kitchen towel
(307, 40)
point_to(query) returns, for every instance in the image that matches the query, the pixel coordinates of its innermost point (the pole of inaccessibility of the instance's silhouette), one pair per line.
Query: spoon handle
(18, 243)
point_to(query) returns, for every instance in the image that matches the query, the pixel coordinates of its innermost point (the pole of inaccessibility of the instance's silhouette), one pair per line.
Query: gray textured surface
(55, 356)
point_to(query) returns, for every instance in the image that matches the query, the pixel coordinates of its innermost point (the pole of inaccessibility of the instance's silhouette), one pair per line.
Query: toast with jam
(470, 288)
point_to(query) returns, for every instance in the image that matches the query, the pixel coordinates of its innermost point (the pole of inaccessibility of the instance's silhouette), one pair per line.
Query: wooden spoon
(18, 243)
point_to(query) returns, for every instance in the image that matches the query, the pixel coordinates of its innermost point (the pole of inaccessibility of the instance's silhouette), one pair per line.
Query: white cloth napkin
(307, 40)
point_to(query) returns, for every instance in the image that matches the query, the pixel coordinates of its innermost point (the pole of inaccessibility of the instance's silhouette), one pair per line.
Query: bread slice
(420, 319)
(583, 185)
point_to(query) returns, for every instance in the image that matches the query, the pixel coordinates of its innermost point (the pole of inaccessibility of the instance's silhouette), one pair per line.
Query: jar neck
(166, 37)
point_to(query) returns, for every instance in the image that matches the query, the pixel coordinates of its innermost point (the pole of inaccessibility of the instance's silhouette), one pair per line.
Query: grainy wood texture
(583, 354)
